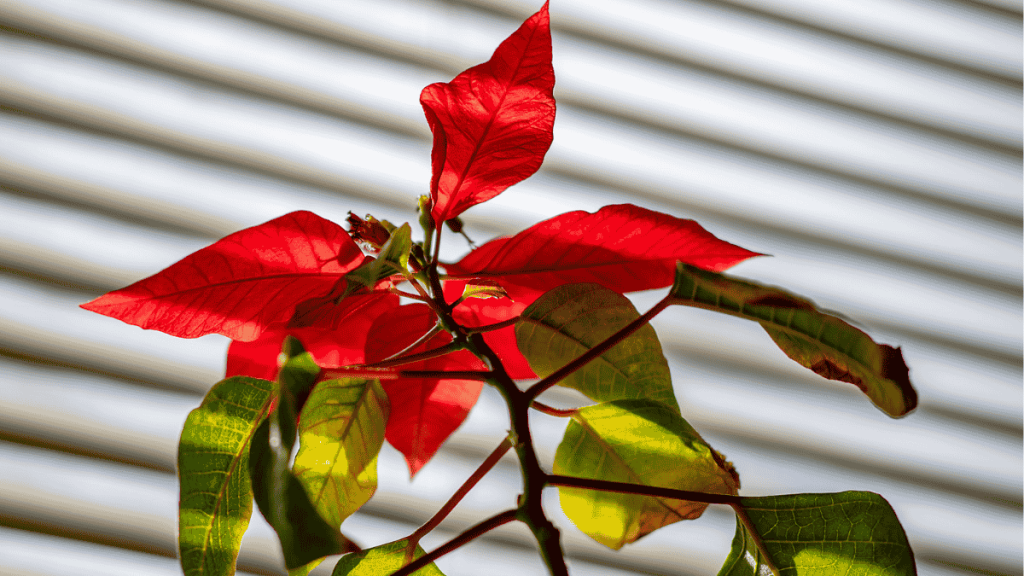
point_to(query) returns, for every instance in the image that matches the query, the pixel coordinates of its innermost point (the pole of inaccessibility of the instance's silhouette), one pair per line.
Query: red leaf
(622, 247)
(424, 411)
(492, 124)
(241, 284)
(335, 335)
(476, 312)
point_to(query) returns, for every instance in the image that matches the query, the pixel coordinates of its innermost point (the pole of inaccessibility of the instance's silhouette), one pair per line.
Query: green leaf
(569, 320)
(213, 467)
(341, 432)
(639, 442)
(299, 371)
(844, 534)
(382, 561)
(483, 288)
(822, 342)
(393, 259)
(305, 536)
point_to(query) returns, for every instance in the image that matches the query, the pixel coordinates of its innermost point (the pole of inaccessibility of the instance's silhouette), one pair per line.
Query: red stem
(427, 355)
(596, 351)
(457, 542)
(552, 411)
(452, 502)
(495, 326)
(626, 488)
(358, 372)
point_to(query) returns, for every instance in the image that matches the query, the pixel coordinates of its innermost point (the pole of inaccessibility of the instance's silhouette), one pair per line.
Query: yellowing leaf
(341, 431)
(822, 342)
(571, 319)
(381, 561)
(639, 442)
(484, 289)
(213, 467)
(843, 534)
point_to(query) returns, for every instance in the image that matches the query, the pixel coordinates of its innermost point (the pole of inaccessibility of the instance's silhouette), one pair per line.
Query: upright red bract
(241, 284)
(492, 124)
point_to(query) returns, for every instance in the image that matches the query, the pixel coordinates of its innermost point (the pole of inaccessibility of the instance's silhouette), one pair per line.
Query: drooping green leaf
(639, 442)
(341, 431)
(571, 319)
(822, 342)
(305, 536)
(843, 534)
(382, 561)
(393, 259)
(213, 468)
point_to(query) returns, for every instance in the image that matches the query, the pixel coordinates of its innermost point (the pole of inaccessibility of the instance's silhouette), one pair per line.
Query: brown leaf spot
(780, 301)
(833, 371)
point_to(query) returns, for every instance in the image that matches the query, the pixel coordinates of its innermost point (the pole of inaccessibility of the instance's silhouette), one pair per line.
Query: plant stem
(452, 502)
(552, 411)
(596, 351)
(530, 511)
(457, 542)
(360, 372)
(741, 515)
(495, 326)
(627, 488)
(419, 342)
(426, 355)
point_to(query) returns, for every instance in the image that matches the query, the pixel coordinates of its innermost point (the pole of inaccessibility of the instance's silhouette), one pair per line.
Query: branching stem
(427, 355)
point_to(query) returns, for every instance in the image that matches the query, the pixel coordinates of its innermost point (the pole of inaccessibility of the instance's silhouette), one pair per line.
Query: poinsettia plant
(343, 339)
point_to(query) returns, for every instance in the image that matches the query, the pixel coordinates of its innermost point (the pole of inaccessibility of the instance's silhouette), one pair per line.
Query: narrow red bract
(241, 284)
(622, 247)
(424, 411)
(492, 124)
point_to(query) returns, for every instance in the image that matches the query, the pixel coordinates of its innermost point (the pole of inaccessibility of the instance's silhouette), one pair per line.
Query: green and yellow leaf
(843, 534)
(639, 442)
(821, 342)
(213, 468)
(304, 534)
(341, 432)
(382, 561)
(571, 319)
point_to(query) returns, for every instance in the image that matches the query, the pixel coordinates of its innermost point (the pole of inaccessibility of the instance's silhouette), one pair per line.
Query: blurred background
(872, 147)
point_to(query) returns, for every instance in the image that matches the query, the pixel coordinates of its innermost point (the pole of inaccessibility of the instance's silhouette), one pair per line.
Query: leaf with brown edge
(819, 341)
(492, 123)
(637, 442)
(241, 284)
(424, 411)
(622, 247)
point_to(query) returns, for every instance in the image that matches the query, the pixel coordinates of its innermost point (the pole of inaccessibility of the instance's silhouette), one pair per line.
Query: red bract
(241, 284)
(334, 334)
(477, 312)
(622, 247)
(492, 124)
(424, 411)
